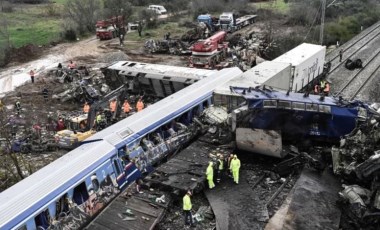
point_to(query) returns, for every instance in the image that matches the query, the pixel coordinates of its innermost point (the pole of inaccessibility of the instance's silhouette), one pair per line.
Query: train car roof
(32, 193)
(260, 94)
(150, 118)
(299, 54)
(132, 68)
(253, 77)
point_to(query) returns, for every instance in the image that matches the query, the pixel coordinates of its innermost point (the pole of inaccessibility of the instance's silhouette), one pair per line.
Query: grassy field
(278, 5)
(33, 24)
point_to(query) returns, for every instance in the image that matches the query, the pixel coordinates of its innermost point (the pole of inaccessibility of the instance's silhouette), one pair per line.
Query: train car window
(62, 207)
(22, 228)
(270, 103)
(95, 182)
(117, 168)
(220, 100)
(80, 194)
(205, 104)
(284, 104)
(311, 107)
(42, 220)
(324, 109)
(298, 106)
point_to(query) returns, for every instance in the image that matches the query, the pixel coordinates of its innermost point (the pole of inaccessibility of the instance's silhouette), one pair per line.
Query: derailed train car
(71, 190)
(269, 117)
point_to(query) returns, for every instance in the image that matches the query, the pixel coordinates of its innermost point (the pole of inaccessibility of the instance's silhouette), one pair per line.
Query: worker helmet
(210, 163)
(235, 156)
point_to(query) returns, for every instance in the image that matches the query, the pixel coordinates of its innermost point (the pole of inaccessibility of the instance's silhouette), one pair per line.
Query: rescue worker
(220, 168)
(187, 206)
(210, 175)
(126, 107)
(18, 107)
(317, 89)
(235, 167)
(98, 121)
(45, 93)
(113, 105)
(86, 107)
(139, 105)
(71, 65)
(322, 85)
(326, 90)
(340, 55)
(32, 73)
(229, 159)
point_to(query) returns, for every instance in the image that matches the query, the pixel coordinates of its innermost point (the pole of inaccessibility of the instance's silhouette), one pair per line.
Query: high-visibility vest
(235, 164)
(221, 166)
(316, 89)
(86, 108)
(139, 106)
(323, 84)
(210, 172)
(126, 107)
(187, 203)
(113, 106)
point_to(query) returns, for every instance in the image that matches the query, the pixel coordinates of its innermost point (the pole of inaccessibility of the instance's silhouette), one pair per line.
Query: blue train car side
(298, 115)
(71, 190)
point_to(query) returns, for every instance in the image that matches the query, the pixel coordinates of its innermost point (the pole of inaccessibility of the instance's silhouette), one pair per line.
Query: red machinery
(106, 29)
(207, 53)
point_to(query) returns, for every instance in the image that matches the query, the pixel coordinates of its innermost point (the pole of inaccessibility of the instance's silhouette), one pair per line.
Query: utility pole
(322, 22)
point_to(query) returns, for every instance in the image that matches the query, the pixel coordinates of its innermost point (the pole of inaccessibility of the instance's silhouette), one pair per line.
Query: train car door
(118, 169)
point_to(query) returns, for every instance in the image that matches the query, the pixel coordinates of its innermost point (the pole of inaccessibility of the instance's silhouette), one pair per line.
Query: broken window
(62, 207)
(324, 109)
(42, 220)
(298, 106)
(95, 182)
(80, 194)
(284, 104)
(311, 107)
(220, 100)
(270, 104)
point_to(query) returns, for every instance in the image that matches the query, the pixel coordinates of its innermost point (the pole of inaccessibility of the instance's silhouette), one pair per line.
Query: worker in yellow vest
(187, 206)
(210, 175)
(235, 168)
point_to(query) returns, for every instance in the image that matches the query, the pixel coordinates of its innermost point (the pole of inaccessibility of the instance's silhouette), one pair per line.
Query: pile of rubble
(357, 161)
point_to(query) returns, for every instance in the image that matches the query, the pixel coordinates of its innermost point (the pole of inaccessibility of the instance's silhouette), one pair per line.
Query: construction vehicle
(110, 28)
(80, 127)
(209, 52)
(230, 22)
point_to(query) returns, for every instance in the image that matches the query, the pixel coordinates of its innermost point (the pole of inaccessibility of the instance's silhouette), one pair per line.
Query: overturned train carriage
(152, 79)
(265, 118)
(70, 191)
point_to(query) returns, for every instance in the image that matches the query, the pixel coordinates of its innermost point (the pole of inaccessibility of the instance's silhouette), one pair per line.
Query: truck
(110, 28)
(209, 52)
(211, 22)
(230, 22)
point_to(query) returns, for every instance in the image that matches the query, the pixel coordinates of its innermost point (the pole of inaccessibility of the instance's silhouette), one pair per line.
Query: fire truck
(209, 52)
(107, 29)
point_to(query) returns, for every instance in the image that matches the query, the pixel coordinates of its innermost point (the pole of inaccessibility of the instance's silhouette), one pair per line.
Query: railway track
(362, 41)
(358, 80)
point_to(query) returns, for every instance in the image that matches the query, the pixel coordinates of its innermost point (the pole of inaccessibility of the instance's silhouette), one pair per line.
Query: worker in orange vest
(86, 107)
(71, 65)
(127, 108)
(317, 89)
(326, 90)
(140, 105)
(113, 105)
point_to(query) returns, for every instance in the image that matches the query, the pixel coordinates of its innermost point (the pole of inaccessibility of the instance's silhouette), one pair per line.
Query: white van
(157, 9)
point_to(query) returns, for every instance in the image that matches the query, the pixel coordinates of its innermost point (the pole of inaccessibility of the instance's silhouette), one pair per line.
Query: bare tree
(5, 44)
(82, 12)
